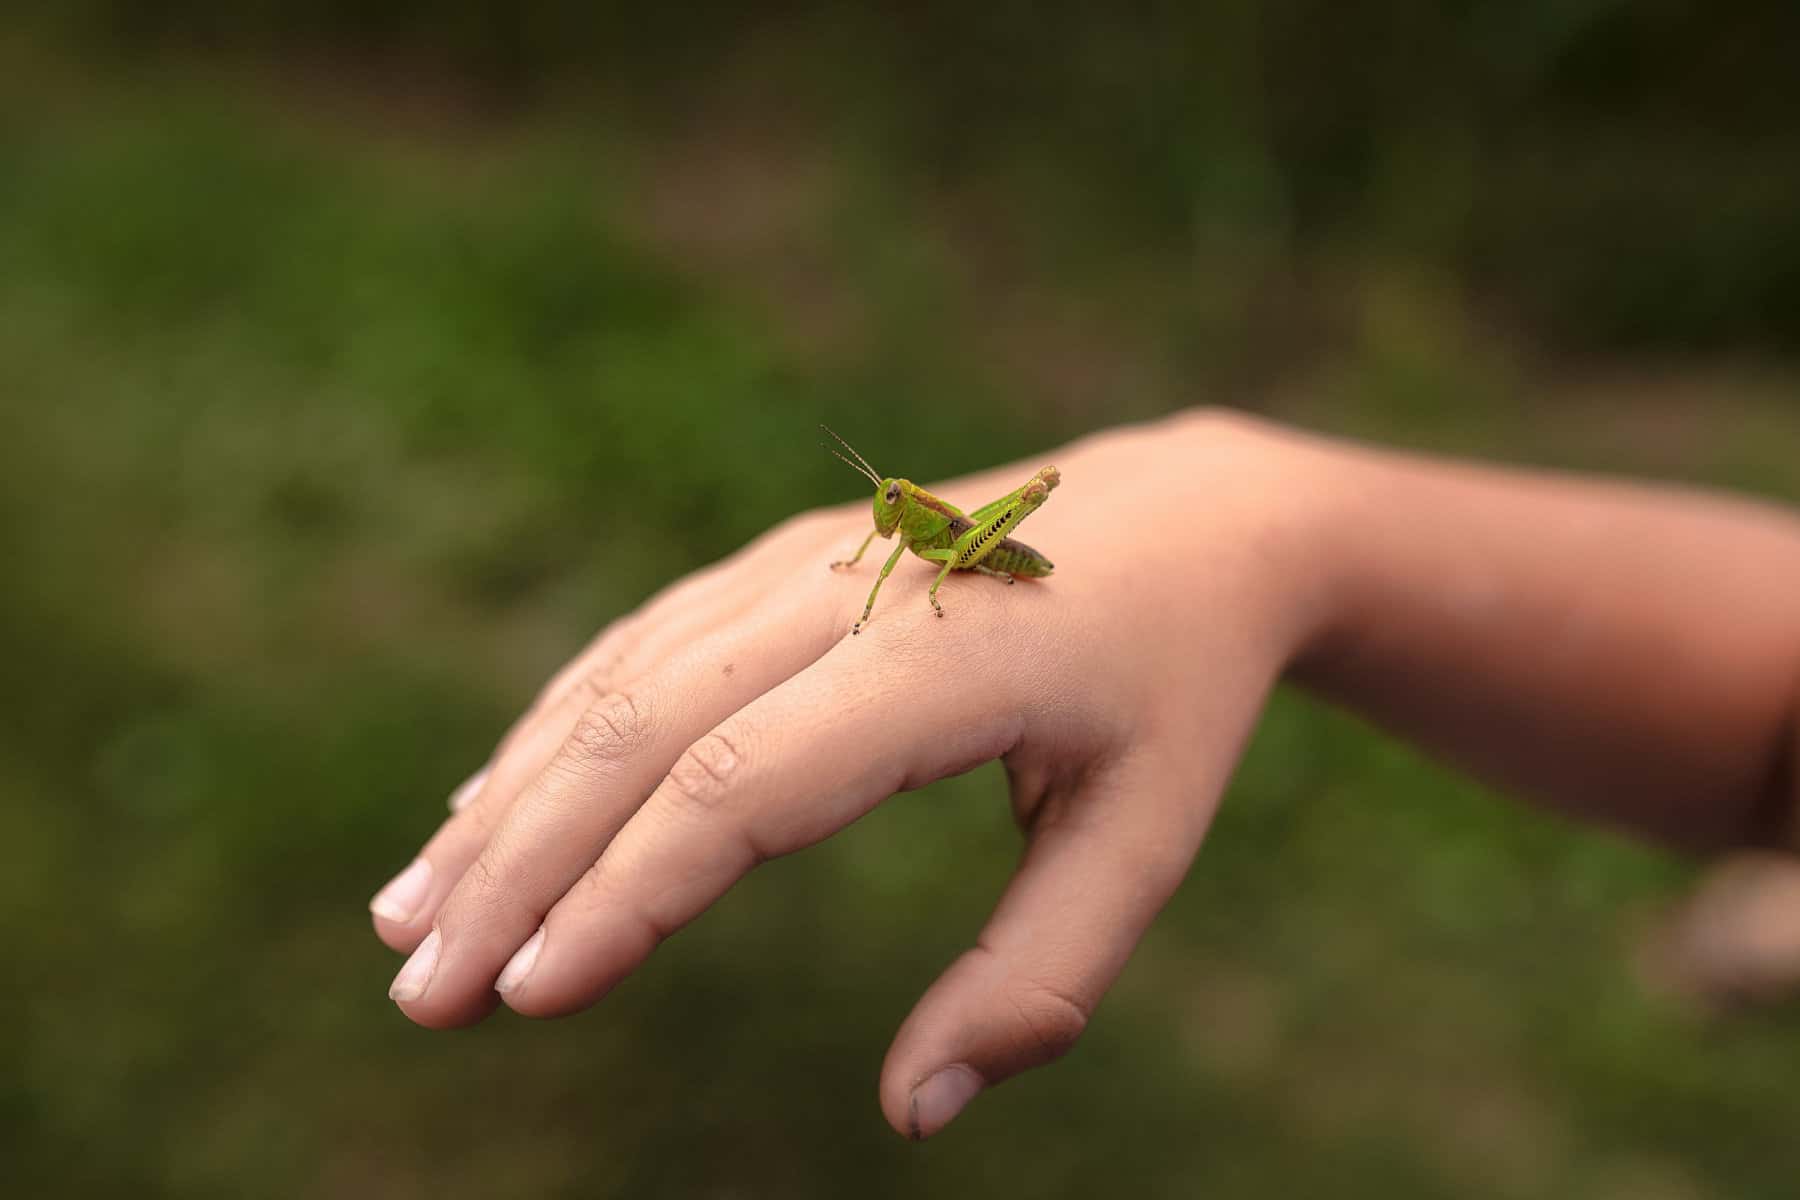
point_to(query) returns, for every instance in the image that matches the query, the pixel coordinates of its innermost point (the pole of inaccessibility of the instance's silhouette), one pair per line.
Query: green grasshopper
(938, 531)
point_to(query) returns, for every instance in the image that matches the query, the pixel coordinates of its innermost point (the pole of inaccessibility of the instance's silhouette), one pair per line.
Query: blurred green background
(358, 362)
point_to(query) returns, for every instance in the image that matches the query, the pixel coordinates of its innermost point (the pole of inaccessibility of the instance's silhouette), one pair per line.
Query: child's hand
(734, 718)
(1627, 652)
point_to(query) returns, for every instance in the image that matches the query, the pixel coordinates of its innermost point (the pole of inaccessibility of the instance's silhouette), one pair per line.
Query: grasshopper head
(890, 502)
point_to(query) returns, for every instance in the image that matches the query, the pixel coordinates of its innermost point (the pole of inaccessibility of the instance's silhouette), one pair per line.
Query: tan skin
(1626, 652)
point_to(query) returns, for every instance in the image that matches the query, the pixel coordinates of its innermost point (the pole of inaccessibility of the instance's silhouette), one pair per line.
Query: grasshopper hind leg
(948, 558)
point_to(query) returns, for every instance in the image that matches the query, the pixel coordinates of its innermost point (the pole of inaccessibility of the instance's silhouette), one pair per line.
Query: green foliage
(1618, 173)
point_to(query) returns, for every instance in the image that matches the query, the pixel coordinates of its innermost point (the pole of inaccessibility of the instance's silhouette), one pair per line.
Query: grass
(320, 445)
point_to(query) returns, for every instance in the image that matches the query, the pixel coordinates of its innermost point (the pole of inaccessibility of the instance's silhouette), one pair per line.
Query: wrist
(1287, 497)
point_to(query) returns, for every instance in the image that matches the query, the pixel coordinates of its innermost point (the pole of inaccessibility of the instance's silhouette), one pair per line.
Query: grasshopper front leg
(847, 563)
(886, 568)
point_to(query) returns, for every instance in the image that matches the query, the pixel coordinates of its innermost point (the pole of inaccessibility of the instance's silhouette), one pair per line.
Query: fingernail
(410, 983)
(405, 892)
(520, 966)
(936, 1102)
(465, 791)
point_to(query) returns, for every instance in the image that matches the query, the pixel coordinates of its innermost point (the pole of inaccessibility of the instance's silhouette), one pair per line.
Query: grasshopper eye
(892, 496)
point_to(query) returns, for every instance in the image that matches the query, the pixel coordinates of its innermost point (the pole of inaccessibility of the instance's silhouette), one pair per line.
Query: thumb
(1095, 873)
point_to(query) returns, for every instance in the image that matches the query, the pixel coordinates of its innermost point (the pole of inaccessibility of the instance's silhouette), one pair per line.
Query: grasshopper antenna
(859, 465)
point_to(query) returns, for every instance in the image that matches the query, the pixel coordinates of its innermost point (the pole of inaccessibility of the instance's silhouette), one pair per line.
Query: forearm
(1627, 652)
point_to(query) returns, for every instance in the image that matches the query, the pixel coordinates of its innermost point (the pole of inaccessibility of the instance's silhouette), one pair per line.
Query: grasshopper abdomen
(1016, 558)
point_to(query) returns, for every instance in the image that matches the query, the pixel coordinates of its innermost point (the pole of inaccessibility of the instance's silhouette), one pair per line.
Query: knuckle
(601, 657)
(482, 884)
(590, 664)
(584, 692)
(705, 774)
(608, 730)
(1051, 1018)
(477, 903)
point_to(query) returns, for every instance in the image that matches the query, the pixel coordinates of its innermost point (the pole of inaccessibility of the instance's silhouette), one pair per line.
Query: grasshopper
(938, 531)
